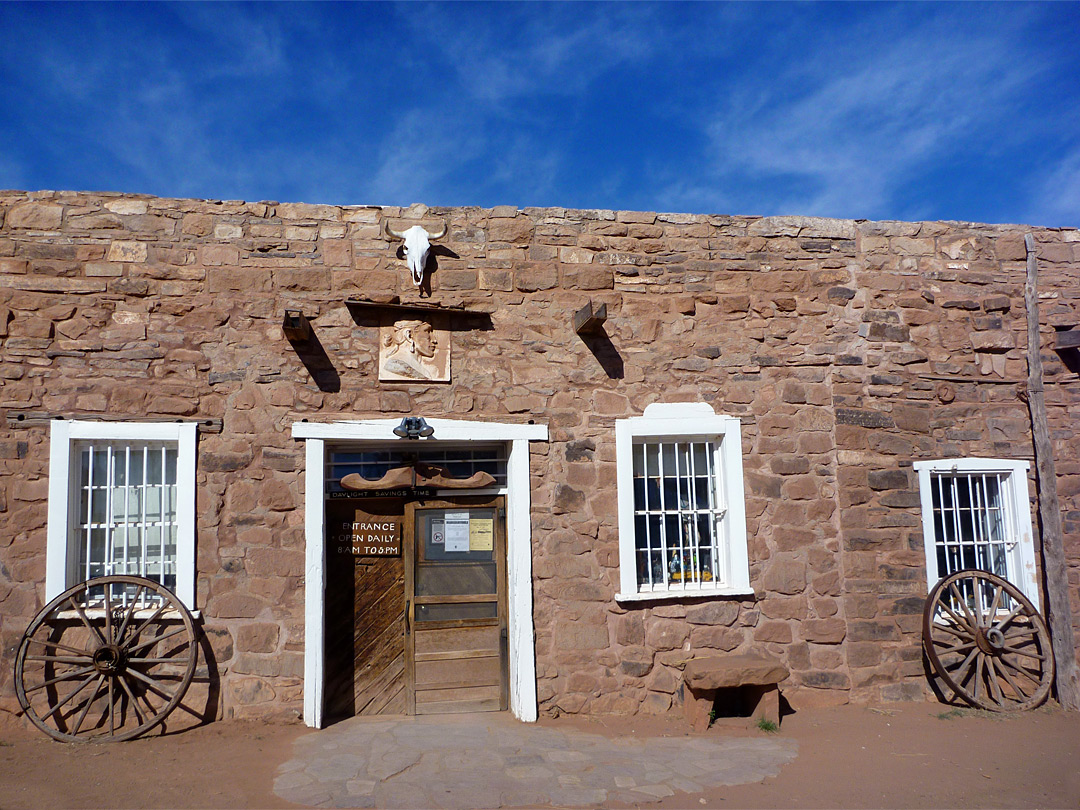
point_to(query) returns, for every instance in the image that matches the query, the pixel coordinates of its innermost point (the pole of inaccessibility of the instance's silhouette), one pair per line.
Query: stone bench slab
(733, 670)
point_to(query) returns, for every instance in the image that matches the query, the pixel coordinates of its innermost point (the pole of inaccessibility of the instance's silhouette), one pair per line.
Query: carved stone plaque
(413, 350)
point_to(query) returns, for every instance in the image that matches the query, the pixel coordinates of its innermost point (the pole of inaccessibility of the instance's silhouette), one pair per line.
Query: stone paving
(491, 760)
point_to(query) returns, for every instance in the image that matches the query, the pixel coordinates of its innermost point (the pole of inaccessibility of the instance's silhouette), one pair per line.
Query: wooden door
(455, 610)
(365, 618)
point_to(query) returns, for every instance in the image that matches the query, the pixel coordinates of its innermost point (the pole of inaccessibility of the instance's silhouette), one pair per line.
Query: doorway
(322, 607)
(455, 606)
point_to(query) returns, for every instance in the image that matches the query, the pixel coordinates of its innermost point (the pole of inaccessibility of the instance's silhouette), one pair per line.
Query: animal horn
(391, 231)
(439, 234)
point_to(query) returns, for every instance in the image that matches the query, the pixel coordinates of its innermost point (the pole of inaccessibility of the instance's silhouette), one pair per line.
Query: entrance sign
(370, 537)
(457, 531)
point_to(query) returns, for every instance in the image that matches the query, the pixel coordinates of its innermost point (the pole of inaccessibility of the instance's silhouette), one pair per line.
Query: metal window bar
(373, 464)
(120, 483)
(974, 527)
(677, 515)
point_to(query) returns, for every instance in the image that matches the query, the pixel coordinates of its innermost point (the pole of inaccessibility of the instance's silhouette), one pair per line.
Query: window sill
(141, 613)
(657, 596)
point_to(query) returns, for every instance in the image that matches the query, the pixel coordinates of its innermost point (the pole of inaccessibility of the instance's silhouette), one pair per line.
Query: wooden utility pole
(1055, 572)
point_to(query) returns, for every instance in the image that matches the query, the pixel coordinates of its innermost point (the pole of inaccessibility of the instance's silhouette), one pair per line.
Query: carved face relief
(412, 349)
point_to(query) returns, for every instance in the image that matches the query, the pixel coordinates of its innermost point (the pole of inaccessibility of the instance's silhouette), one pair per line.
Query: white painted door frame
(518, 541)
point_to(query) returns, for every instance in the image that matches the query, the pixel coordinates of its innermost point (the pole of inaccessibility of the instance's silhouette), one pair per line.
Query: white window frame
(1020, 559)
(685, 422)
(64, 437)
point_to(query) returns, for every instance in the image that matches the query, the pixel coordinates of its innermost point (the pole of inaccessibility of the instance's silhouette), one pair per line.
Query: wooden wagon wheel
(987, 642)
(106, 660)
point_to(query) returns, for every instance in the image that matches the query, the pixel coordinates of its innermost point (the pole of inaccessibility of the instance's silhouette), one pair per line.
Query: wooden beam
(396, 306)
(1069, 339)
(1058, 613)
(29, 419)
(296, 326)
(589, 321)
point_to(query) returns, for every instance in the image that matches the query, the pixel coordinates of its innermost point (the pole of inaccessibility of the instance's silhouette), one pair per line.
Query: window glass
(128, 510)
(675, 513)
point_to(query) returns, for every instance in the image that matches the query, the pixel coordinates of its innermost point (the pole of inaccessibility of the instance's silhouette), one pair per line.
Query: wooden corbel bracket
(296, 326)
(590, 321)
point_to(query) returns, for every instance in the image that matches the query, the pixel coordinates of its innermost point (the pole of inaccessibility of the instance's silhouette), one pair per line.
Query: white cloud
(523, 49)
(841, 130)
(12, 173)
(1056, 201)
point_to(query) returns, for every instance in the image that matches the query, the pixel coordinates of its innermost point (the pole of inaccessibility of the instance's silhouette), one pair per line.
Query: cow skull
(417, 247)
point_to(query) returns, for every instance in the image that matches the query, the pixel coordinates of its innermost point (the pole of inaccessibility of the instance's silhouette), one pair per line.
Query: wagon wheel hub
(991, 641)
(109, 659)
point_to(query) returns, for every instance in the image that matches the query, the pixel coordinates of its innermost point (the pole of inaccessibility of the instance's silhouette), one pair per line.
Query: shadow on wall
(317, 362)
(605, 353)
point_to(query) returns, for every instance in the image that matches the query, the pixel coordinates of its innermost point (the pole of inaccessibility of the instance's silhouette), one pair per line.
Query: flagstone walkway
(491, 760)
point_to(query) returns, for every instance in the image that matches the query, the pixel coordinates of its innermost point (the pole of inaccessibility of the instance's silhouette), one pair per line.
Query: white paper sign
(457, 531)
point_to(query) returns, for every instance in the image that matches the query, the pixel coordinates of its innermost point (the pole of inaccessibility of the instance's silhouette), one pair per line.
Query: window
(122, 501)
(682, 523)
(976, 515)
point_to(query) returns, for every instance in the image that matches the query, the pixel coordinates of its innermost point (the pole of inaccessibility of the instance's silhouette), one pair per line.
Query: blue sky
(916, 111)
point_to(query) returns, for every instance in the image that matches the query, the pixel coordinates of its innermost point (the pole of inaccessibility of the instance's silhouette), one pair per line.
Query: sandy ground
(907, 755)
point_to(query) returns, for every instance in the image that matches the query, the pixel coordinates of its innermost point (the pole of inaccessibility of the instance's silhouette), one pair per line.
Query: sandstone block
(535, 276)
(274, 562)
(277, 496)
(235, 606)
(778, 632)
(39, 216)
(787, 576)
(261, 637)
(128, 252)
(716, 637)
(581, 636)
(823, 631)
(636, 662)
(666, 634)
(714, 613)
(733, 670)
(515, 230)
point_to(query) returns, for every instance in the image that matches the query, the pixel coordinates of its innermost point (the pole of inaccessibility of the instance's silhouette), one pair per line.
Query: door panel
(365, 619)
(455, 577)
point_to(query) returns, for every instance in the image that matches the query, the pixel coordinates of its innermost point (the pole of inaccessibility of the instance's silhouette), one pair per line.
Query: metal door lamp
(413, 427)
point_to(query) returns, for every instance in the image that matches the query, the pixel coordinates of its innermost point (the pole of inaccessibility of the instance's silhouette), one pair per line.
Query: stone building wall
(848, 349)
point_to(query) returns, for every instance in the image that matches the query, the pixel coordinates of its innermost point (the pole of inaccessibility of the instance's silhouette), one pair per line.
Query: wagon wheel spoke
(1025, 653)
(991, 678)
(131, 698)
(957, 648)
(150, 683)
(82, 615)
(112, 707)
(89, 703)
(1001, 624)
(156, 639)
(108, 616)
(962, 624)
(146, 623)
(71, 696)
(1008, 664)
(972, 619)
(67, 676)
(959, 632)
(58, 646)
(81, 674)
(130, 612)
